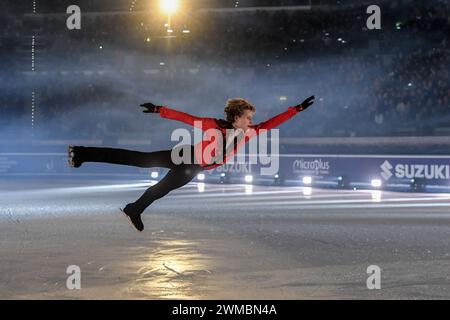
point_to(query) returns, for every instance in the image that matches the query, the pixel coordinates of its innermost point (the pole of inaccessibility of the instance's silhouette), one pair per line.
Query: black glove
(305, 104)
(150, 108)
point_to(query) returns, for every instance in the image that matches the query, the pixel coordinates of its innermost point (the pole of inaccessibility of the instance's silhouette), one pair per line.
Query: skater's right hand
(150, 108)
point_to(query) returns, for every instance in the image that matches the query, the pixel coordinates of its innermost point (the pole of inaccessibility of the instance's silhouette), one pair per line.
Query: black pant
(178, 175)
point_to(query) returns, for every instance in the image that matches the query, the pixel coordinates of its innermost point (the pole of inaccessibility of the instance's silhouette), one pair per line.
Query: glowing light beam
(170, 6)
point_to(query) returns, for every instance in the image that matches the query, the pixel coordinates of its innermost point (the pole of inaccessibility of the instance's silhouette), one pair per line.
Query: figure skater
(239, 116)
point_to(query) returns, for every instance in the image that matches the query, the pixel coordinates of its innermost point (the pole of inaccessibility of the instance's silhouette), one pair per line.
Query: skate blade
(129, 220)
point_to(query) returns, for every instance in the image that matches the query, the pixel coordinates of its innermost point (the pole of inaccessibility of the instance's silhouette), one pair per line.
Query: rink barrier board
(431, 169)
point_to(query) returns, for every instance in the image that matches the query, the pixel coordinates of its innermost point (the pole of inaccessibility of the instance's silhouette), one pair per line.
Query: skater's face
(244, 121)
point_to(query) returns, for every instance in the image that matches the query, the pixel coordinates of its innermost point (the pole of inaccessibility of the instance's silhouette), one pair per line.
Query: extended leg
(120, 156)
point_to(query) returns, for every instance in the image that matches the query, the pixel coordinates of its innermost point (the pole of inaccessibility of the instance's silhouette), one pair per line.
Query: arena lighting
(170, 6)
(248, 178)
(154, 174)
(277, 180)
(223, 178)
(307, 180)
(375, 183)
(417, 185)
(201, 176)
(342, 182)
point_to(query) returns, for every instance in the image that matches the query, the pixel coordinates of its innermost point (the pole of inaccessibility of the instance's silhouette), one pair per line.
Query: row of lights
(307, 180)
(415, 184)
(376, 183)
(32, 109)
(247, 178)
(170, 30)
(201, 176)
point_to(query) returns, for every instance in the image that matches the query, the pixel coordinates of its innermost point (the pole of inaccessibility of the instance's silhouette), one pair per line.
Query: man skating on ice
(239, 116)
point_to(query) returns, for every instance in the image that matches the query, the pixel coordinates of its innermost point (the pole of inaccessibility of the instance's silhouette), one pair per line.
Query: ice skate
(72, 157)
(134, 218)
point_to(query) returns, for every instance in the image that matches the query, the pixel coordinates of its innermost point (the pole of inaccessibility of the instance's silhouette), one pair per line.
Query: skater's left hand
(305, 104)
(150, 108)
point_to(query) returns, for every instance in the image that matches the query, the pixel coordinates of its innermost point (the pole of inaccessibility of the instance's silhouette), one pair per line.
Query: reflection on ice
(201, 187)
(307, 191)
(173, 270)
(376, 195)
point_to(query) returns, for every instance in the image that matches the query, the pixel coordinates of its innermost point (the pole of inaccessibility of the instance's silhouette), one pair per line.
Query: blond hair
(235, 108)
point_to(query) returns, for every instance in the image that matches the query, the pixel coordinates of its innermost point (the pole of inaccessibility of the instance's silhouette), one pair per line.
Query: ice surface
(221, 242)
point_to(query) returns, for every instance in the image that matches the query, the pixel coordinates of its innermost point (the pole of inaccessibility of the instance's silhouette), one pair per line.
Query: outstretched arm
(285, 116)
(167, 113)
(277, 120)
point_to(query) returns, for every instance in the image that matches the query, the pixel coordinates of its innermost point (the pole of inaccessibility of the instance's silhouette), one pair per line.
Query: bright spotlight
(169, 6)
(376, 183)
(277, 180)
(248, 178)
(201, 176)
(307, 180)
(154, 174)
(417, 185)
(223, 178)
(343, 182)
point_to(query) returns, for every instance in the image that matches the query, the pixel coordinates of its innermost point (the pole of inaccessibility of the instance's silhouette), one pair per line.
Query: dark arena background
(358, 207)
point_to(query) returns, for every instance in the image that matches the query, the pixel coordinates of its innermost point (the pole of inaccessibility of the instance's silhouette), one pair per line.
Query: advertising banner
(434, 170)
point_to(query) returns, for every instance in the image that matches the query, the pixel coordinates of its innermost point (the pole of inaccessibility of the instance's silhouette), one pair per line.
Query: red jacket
(222, 125)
